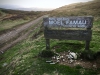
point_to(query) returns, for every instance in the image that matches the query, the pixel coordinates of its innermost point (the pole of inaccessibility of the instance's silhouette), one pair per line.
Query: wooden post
(47, 44)
(87, 45)
(47, 41)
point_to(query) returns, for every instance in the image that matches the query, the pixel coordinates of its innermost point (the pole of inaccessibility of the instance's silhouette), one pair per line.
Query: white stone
(48, 61)
(63, 59)
(94, 66)
(53, 63)
(1, 51)
(58, 60)
(73, 55)
(54, 57)
(4, 64)
(71, 61)
(61, 56)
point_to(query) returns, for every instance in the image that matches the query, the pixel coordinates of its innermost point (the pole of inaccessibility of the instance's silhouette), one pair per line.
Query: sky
(39, 3)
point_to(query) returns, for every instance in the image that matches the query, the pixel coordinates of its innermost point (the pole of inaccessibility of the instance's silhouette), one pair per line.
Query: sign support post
(47, 44)
(87, 45)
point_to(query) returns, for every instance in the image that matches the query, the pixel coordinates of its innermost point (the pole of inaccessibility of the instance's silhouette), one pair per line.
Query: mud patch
(79, 62)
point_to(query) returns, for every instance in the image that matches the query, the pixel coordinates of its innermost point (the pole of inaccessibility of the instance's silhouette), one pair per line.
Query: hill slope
(23, 59)
(11, 19)
(79, 9)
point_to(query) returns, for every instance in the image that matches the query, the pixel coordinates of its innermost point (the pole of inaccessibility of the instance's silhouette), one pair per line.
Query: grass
(79, 9)
(10, 19)
(22, 59)
(8, 24)
(2, 14)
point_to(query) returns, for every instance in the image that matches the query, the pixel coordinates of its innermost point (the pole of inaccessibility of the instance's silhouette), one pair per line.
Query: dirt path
(4, 38)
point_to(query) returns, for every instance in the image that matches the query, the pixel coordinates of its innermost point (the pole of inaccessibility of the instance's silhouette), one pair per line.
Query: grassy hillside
(22, 59)
(12, 18)
(79, 9)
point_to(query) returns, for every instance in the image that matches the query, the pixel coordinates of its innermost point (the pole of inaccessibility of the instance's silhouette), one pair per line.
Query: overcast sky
(40, 3)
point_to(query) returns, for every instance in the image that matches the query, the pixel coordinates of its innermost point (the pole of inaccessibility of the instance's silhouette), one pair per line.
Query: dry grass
(10, 24)
(79, 9)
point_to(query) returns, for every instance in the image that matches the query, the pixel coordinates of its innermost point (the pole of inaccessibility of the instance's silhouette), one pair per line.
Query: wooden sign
(68, 22)
(68, 34)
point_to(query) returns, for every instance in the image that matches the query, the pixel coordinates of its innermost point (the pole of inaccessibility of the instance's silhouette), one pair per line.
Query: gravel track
(5, 38)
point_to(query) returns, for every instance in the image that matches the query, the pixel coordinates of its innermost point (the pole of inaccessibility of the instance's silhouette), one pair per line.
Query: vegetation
(11, 18)
(79, 9)
(22, 59)
(11, 24)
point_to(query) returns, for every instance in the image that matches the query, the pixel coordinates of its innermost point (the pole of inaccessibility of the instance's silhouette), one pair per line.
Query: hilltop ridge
(79, 9)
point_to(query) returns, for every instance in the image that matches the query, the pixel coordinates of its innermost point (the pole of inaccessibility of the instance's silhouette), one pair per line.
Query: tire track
(4, 38)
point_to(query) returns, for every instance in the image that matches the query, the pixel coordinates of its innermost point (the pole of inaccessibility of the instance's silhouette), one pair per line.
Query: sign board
(68, 22)
(68, 34)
